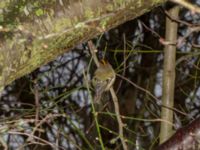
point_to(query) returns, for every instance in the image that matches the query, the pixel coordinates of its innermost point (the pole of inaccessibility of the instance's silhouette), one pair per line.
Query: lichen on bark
(34, 32)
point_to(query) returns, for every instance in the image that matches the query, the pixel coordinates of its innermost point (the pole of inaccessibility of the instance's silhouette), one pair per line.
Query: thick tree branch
(186, 138)
(36, 32)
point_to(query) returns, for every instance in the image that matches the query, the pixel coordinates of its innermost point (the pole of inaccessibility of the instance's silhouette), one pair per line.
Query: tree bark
(186, 138)
(169, 76)
(34, 32)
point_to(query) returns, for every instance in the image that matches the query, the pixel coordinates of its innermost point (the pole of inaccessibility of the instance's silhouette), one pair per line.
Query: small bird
(103, 79)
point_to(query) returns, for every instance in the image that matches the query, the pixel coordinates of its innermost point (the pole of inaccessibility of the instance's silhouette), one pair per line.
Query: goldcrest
(104, 77)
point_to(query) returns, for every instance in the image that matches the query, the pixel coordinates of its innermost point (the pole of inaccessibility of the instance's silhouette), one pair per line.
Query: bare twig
(34, 137)
(37, 103)
(186, 57)
(40, 122)
(192, 7)
(93, 50)
(151, 95)
(3, 143)
(119, 120)
(124, 62)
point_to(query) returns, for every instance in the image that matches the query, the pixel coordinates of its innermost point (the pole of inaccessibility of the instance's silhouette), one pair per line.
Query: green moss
(1, 18)
(2, 4)
(109, 7)
(61, 24)
(89, 13)
(25, 56)
(39, 12)
(119, 2)
(139, 3)
(103, 23)
(1, 69)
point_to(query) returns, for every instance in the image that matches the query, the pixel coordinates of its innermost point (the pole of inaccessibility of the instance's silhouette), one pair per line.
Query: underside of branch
(34, 33)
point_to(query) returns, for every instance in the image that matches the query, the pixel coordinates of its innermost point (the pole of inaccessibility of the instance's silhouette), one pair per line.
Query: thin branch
(37, 103)
(34, 137)
(192, 7)
(151, 95)
(114, 98)
(93, 51)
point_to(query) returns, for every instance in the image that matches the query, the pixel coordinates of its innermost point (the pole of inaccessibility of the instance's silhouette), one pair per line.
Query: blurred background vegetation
(51, 107)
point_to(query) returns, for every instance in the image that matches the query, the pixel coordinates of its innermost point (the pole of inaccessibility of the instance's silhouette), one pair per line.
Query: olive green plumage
(103, 79)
